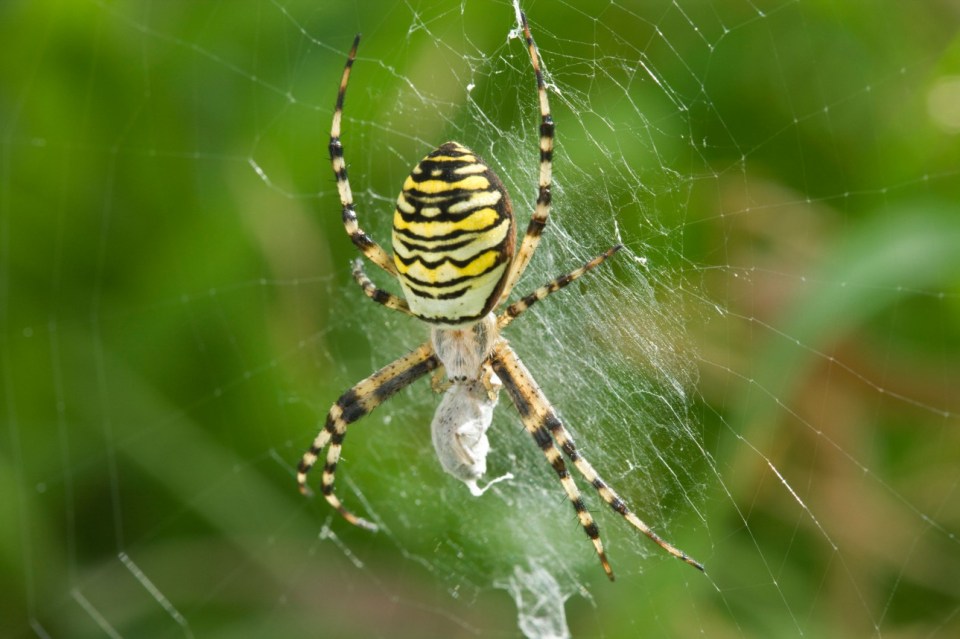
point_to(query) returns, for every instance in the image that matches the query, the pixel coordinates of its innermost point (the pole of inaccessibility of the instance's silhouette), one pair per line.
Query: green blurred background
(176, 313)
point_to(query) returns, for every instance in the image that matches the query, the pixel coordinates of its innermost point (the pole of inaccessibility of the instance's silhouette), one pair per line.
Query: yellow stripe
(432, 187)
(466, 157)
(435, 250)
(478, 220)
(446, 271)
(405, 206)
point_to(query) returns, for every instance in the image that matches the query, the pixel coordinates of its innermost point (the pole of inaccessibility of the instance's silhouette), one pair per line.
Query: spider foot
(359, 522)
(302, 481)
(366, 525)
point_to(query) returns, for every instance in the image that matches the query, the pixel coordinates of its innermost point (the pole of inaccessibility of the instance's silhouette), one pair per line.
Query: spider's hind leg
(366, 245)
(538, 220)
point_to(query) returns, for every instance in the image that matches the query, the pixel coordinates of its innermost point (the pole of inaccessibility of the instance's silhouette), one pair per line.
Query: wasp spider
(453, 254)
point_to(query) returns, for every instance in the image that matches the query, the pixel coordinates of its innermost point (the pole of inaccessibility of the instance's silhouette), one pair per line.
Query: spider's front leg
(354, 404)
(544, 425)
(536, 415)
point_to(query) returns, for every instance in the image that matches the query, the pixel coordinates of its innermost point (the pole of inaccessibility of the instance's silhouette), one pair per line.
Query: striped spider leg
(542, 422)
(466, 409)
(454, 258)
(373, 251)
(357, 402)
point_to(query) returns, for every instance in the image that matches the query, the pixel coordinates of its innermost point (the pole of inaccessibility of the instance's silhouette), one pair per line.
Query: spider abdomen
(453, 237)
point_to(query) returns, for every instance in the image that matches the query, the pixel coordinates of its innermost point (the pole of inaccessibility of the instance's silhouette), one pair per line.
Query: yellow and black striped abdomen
(453, 237)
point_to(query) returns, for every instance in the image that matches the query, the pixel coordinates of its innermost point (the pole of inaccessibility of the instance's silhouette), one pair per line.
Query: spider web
(766, 373)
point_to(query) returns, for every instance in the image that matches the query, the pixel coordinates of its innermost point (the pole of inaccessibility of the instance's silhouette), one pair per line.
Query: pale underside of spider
(454, 256)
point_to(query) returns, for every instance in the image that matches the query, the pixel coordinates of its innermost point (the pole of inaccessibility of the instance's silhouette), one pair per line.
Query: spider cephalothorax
(453, 245)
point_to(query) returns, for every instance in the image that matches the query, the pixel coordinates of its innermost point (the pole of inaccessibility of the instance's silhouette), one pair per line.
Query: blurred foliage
(166, 316)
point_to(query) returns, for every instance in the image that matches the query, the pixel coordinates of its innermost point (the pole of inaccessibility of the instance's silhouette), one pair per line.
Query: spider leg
(378, 295)
(361, 240)
(520, 306)
(358, 402)
(538, 416)
(542, 211)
